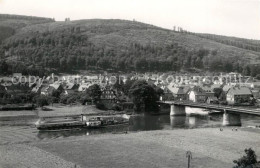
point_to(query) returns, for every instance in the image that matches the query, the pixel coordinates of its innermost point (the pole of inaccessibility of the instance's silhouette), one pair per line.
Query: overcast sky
(240, 18)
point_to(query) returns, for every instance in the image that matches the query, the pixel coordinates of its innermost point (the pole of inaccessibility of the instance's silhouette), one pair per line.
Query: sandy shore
(166, 148)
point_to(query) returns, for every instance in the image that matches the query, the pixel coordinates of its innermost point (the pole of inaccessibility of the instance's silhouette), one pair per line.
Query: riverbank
(29, 117)
(210, 147)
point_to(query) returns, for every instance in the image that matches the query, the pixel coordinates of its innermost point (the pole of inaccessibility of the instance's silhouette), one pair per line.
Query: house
(208, 90)
(226, 88)
(216, 86)
(108, 97)
(70, 88)
(212, 100)
(84, 86)
(180, 92)
(48, 90)
(197, 95)
(128, 106)
(57, 86)
(37, 86)
(45, 90)
(256, 84)
(218, 80)
(92, 79)
(256, 93)
(152, 81)
(167, 95)
(6, 81)
(239, 95)
(108, 94)
(18, 75)
(249, 85)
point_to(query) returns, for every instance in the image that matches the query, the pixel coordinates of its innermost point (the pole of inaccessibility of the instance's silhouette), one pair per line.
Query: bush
(84, 98)
(247, 161)
(42, 100)
(71, 100)
(223, 103)
(100, 106)
(116, 107)
(16, 99)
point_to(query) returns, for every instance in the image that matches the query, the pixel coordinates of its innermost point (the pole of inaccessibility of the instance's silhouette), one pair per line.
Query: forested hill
(9, 24)
(253, 45)
(119, 45)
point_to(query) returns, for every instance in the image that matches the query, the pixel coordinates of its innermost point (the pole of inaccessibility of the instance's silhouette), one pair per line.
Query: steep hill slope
(118, 45)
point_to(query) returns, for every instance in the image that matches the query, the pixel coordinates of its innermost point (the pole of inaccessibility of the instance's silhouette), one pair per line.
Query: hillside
(253, 45)
(9, 24)
(120, 45)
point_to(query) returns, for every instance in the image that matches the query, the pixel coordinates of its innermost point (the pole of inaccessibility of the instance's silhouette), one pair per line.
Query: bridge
(231, 115)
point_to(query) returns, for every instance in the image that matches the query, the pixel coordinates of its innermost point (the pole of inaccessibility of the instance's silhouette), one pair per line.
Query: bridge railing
(218, 106)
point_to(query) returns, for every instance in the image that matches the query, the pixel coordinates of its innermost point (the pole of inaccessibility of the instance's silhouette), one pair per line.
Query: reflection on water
(178, 121)
(81, 132)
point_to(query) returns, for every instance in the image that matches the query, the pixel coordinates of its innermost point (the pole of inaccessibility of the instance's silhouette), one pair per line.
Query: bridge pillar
(177, 110)
(231, 119)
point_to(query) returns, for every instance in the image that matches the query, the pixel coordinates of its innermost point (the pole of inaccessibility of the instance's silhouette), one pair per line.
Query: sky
(239, 18)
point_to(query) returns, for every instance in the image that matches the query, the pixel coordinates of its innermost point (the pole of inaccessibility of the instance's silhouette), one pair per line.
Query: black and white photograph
(129, 83)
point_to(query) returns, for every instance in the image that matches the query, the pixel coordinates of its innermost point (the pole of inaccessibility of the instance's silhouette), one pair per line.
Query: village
(225, 89)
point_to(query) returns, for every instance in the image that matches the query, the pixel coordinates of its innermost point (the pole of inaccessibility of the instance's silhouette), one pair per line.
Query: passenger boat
(54, 123)
(93, 124)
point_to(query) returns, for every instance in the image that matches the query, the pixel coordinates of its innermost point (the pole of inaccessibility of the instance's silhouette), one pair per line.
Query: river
(22, 127)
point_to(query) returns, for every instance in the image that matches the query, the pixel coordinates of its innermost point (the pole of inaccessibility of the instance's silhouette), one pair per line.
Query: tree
(119, 84)
(3, 67)
(56, 94)
(94, 92)
(254, 69)
(228, 66)
(246, 161)
(246, 70)
(71, 100)
(217, 92)
(126, 87)
(144, 96)
(258, 76)
(84, 98)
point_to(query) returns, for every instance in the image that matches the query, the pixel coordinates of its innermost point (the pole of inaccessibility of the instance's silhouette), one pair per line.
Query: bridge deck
(215, 107)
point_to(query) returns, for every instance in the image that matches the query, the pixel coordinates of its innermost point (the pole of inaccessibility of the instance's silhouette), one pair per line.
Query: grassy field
(209, 146)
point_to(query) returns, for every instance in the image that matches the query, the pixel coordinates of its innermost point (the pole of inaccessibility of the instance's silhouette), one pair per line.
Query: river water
(197, 118)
